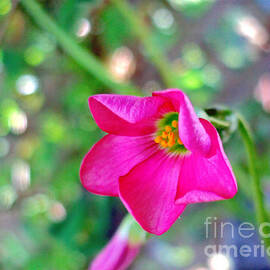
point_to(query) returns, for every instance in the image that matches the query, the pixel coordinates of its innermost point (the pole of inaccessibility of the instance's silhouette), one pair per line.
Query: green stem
(142, 32)
(83, 57)
(218, 123)
(261, 213)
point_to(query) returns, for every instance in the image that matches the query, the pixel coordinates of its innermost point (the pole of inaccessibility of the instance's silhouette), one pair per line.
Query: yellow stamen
(171, 136)
(171, 143)
(164, 135)
(158, 139)
(168, 129)
(163, 143)
(179, 141)
(174, 123)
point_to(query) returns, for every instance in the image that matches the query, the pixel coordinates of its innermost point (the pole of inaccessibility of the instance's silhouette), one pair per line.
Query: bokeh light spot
(219, 261)
(191, 80)
(211, 76)
(193, 56)
(262, 91)
(5, 7)
(57, 212)
(34, 56)
(233, 57)
(122, 64)
(27, 84)
(84, 27)
(17, 122)
(163, 18)
(20, 175)
(7, 196)
(53, 128)
(250, 28)
(36, 204)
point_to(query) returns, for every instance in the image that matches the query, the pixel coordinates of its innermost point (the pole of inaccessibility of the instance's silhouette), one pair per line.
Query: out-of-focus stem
(83, 57)
(141, 31)
(258, 196)
(218, 123)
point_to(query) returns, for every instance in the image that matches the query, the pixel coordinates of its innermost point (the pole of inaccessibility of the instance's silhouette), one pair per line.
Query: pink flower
(122, 249)
(158, 157)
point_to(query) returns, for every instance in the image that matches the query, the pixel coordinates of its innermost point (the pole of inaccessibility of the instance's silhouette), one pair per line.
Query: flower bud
(122, 249)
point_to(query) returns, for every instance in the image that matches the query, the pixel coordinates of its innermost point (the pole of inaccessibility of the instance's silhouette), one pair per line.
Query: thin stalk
(82, 56)
(219, 123)
(258, 196)
(142, 32)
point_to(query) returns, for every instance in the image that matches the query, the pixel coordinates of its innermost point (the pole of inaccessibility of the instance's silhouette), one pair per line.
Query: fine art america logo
(245, 232)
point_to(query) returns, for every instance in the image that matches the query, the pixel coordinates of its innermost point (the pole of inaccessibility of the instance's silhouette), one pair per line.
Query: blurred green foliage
(47, 220)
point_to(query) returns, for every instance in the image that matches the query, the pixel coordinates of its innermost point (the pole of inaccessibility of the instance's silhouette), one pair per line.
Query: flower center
(167, 135)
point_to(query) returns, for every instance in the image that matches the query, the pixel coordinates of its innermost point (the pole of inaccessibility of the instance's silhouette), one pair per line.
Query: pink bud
(122, 249)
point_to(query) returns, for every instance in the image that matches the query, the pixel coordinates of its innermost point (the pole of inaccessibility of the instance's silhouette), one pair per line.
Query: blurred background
(217, 51)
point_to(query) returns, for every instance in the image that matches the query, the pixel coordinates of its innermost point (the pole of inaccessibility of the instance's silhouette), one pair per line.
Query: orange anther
(179, 141)
(171, 143)
(171, 136)
(158, 139)
(164, 135)
(174, 123)
(168, 129)
(163, 143)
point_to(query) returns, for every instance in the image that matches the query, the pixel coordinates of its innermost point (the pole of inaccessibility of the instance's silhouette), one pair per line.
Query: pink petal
(117, 255)
(128, 257)
(127, 115)
(191, 131)
(205, 179)
(148, 192)
(112, 157)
